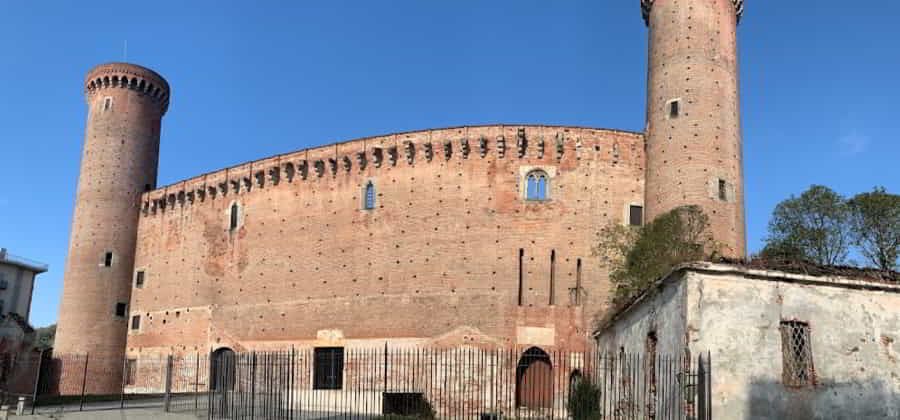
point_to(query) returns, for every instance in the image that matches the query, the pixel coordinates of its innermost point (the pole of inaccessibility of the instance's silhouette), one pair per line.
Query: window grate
(797, 361)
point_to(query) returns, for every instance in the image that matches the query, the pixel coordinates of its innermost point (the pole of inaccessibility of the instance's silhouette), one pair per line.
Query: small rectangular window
(636, 215)
(120, 309)
(107, 259)
(135, 322)
(107, 103)
(2, 307)
(796, 351)
(328, 370)
(3, 283)
(674, 108)
(723, 190)
(139, 279)
(130, 371)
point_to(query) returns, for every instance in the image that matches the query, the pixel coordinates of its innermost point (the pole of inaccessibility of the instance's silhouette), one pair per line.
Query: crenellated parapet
(553, 145)
(128, 76)
(647, 6)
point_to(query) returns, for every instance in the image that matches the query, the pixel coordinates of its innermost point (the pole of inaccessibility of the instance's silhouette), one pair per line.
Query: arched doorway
(221, 369)
(534, 379)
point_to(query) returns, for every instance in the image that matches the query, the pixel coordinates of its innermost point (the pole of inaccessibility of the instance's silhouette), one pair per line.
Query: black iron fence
(329, 382)
(82, 382)
(457, 383)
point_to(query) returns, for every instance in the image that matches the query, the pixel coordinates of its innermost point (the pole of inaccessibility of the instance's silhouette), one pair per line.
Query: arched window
(369, 200)
(234, 216)
(537, 184)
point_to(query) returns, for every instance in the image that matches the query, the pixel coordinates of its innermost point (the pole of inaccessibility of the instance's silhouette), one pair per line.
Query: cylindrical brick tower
(125, 103)
(693, 136)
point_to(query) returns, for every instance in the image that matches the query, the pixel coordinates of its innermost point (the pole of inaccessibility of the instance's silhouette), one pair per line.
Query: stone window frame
(549, 171)
(797, 364)
(141, 273)
(713, 188)
(131, 322)
(364, 194)
(626, 213)
(124, 311)
(108, 255)
(235, 222)
(679, 109)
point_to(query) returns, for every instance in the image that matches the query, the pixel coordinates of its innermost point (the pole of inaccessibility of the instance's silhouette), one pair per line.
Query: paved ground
(128, 414)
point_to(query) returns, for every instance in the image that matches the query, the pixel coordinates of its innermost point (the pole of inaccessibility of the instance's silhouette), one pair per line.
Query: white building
(782, 345)
(17, 277)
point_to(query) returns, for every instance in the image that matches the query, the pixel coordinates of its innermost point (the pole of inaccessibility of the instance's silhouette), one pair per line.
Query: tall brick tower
(693, 134)
(125, 103)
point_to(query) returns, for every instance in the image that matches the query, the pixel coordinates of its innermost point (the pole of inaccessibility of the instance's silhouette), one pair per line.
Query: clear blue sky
(253, 79)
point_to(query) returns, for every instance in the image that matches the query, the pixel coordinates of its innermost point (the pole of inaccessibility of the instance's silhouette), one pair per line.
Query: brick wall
(437, 257)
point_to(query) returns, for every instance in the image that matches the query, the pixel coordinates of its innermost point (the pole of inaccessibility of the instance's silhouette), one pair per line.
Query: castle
(478, 235)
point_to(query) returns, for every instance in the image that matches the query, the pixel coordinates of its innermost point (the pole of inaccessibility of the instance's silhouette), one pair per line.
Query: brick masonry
(434, 263)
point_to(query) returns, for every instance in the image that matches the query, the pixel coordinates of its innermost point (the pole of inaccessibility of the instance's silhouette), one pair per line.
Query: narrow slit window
(636, 215)
(328, 370)
(139, 279)
(121, 308)
(369, 197)
(234, 217)
(723, 190)
(107, 103)
(796, 350)
(135, 322)
(577, 297)
(521, 275)
(552, 276)
(674, 108)
(108, 259)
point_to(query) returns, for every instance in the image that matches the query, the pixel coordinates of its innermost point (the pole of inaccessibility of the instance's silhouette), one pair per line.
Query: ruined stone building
(476, 235)
(784, 345)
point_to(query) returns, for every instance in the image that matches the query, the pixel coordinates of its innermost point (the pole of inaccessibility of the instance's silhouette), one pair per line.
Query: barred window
(130, 371)
(796, 349)
(328, 371)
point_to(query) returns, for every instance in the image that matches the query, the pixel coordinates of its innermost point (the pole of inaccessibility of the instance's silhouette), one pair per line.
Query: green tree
(44, 337)
(875, 225)
(637, 257)
(813, 226)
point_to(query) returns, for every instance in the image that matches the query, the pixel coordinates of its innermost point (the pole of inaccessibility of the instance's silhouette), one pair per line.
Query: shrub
(584, 401)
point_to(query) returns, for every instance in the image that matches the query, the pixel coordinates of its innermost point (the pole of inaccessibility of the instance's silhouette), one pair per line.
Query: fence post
(37, 381)
(253, 385)
(197, 384)
(124, 380)
(84, 381)
(167, 399)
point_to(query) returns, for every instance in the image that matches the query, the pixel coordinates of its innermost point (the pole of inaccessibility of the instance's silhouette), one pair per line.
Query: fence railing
(458, 383)
(82, 382)
(329, 382)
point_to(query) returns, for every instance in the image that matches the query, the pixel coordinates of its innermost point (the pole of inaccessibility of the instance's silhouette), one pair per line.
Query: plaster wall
(17, 295)
(854, 336)
(663, 312)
